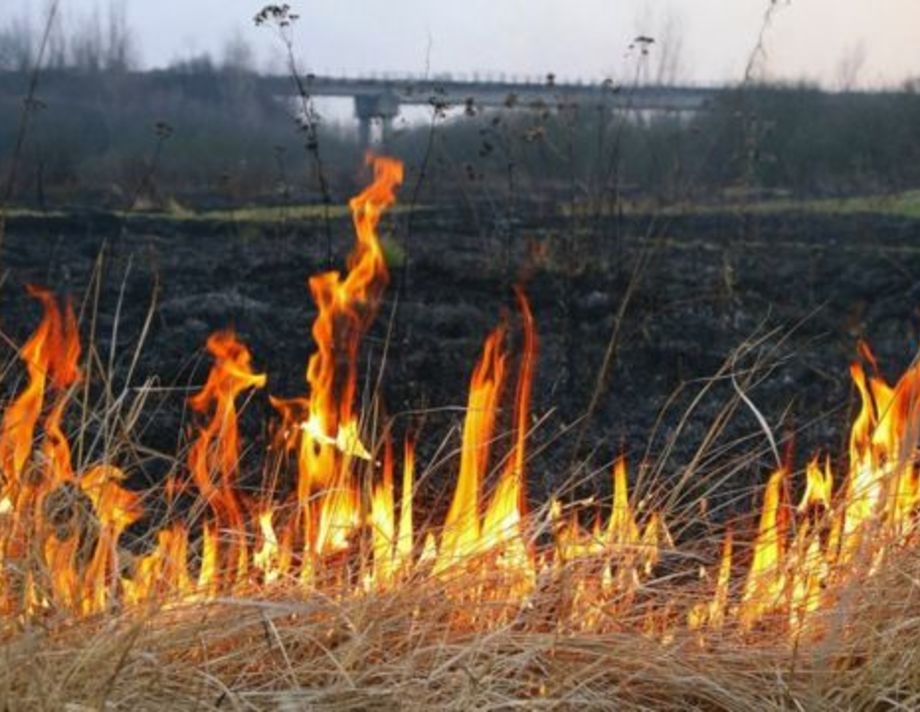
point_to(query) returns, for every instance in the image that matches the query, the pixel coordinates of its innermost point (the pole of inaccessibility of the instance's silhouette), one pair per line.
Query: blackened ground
(711, 283)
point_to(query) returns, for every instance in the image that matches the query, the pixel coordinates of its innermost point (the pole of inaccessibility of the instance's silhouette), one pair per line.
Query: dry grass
(408, 649)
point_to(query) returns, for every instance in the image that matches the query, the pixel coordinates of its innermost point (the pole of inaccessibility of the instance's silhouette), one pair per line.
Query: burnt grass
(712, 282)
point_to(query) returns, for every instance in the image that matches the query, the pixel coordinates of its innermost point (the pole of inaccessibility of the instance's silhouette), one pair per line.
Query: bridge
(378, 98)
(381, 98)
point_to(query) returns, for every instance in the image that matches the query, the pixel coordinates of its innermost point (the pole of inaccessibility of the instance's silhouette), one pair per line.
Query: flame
(383, 523)
(76, 521)
(323, 428)
(343, 525)
(712, 615)
(819, 486)
(216, 452)
(462, 527)
(267, 557)
(346, 308)
(882, 489)
(51, 352)
(766, 578)
(405, 541)
(503, 522)
(622, 530)
(116, 508)
(839, 542)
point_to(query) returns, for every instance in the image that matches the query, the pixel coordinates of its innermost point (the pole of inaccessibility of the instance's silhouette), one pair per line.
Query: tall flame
(346, 308)
(215, 454)
(323, 428)
(462, 527)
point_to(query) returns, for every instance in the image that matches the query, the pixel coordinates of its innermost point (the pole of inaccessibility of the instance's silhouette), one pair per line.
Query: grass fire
(421, 356)
(330, 569)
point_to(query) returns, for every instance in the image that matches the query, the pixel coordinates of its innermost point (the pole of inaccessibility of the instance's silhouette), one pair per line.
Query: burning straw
(324, 589)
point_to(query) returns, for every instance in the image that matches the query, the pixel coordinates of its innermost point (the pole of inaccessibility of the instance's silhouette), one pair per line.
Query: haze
(833, 42)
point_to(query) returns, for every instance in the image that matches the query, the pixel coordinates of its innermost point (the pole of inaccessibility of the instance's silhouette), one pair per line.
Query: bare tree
(58, 51)
(668, 62)
(850, 66)
(94, 42)
(237, 54)
(658, 45)
(120, 48)
(17, 44)
(86, 48)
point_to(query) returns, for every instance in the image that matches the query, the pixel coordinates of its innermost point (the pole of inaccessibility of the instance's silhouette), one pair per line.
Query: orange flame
(346, 308)
(51, 352)
(462, 528)
(216, 452)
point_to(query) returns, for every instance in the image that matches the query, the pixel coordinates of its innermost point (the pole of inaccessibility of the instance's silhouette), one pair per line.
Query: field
(705, 285)
(685, 342)
(357, 390)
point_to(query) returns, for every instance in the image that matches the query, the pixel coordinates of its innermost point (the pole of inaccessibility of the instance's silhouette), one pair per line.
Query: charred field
(693, 288)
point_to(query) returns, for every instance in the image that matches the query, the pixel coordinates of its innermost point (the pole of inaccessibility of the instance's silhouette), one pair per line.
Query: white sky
(813, 39)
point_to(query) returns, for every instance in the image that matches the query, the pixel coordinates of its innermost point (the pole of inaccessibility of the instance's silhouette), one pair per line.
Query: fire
(216, 452)
(59, 536)
(503, 523)
(346, 308)
(345, 521)
(712, 614)
(322, 429)
(51, 353)
(767, 576)
(839, 540)
(462, 534)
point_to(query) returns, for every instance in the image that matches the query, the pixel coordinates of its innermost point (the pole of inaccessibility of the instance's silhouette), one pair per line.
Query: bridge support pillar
(386, 129)
(364, 132)
(383, 106)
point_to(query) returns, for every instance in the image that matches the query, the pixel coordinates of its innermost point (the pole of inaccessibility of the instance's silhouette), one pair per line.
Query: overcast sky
(875, 42)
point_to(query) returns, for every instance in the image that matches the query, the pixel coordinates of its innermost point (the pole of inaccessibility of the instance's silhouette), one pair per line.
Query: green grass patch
(275, 213)
(905, 204)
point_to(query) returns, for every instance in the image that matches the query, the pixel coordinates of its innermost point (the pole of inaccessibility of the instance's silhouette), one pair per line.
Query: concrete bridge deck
(380, 98)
